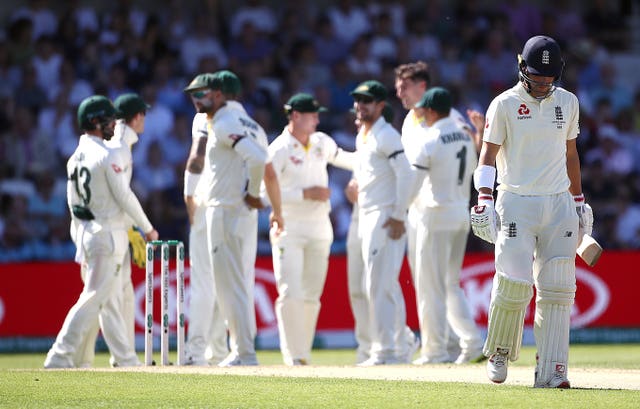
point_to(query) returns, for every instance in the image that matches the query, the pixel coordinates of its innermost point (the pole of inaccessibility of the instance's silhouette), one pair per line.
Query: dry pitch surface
(582, 378)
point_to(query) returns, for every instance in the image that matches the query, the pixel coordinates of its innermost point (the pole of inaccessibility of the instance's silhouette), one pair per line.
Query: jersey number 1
(462, 156)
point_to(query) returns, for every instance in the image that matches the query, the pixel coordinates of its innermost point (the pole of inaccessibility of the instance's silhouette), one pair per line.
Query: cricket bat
(589, 250)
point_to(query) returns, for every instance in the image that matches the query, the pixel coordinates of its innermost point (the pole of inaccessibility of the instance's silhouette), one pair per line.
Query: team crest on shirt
(317, 152)
(559, 121)
(524, 112)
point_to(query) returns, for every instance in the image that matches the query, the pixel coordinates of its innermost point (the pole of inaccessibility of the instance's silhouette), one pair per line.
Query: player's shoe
(191, 361)
(55, 361)
(472, 356)
(234, 359)
(375, 361)
(497, 365)
(413, 345)
(426, 360)
(558, 379)
(300, 362)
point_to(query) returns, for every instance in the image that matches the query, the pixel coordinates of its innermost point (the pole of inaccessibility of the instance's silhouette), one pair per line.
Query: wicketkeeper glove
(484, 219)
(585, 213)
(138, 247)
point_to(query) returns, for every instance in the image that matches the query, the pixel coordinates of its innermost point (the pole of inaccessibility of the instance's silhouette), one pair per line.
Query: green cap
(303, 102)
(224, 80)
(227, 82)
(436, 98)
(371, 88)
(130, 104)
(96, 106)
(199, 82)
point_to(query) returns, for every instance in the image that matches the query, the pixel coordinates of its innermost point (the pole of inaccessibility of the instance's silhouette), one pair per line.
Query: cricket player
(131, 113)
(384, 179)
(299, 156)
(411, 82)
(207, 331)
(101, 202)
(232, 156)
(444, 166)
(530, 142)
(406, 342)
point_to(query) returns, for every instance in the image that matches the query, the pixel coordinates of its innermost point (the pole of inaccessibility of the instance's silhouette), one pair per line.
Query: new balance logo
(568, 234)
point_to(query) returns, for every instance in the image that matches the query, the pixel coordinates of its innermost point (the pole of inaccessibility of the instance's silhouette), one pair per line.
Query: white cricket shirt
(383, 173)
(231, 144)
(533, 137)
(96, 180)
(446, 160)
(299, 167)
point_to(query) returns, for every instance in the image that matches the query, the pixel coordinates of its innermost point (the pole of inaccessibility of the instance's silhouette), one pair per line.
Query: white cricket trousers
(382, 262)
(441, 238)
(227, 236)
(104, 255)
(207, 331)
(300, 260)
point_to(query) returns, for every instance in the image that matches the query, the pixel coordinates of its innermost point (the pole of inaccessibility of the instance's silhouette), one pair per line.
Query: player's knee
(556, 281)
(511, 293)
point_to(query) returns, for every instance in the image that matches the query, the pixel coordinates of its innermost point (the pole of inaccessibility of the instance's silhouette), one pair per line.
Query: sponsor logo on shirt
(523, 112)
(295, 161)
(116, 168)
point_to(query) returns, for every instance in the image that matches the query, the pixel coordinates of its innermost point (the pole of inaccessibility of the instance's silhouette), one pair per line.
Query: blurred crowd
(54, 54)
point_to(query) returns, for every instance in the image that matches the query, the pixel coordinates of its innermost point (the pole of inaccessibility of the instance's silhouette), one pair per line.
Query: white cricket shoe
(473, 356)
(497, 365)
(375, 361)
(191, 361)
(300, 362)
(56, 361)
(413, 347)
(558, 380)
(234, 359)
(427, 360)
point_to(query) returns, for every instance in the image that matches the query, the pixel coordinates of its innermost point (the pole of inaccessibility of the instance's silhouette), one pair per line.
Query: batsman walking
(530, 140)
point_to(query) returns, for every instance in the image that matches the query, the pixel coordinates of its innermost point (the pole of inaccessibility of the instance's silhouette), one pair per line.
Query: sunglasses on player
(200, 94)
(363, 99)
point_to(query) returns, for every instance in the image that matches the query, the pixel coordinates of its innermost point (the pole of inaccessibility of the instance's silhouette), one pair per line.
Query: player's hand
(152, 235)
(476, 118)
(276, 223)
(585, 213)
(190, 203)
(395, 228)
(138, 246)
(253, 202)
(318, 193)
(351, 191)
(484, 219)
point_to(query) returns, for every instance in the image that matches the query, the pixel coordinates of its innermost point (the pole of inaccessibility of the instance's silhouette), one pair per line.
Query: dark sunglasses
(200, 94)
(362, 99)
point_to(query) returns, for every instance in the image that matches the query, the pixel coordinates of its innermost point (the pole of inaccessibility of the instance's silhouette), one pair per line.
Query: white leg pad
(509, 300)
(556, 289)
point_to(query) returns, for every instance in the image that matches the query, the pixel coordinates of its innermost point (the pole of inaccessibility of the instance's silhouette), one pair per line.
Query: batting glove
(138, 247)
(585, 213)
(484, 219)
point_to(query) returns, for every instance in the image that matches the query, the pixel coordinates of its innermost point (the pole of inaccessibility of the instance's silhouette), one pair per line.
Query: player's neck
(302, 137)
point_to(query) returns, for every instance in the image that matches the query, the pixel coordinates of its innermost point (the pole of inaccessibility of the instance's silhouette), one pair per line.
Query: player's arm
(192, 173)
(255, 158)
(477, 120)
(272, 187)
(124, 196)
(404, 178)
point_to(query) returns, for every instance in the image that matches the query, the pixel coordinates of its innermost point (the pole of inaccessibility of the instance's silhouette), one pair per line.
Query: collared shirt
(382, 171)
(299, 167)
(446, 160)
(533, 136)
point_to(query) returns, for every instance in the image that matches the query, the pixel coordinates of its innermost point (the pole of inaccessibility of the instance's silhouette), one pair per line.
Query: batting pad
(509, 302)
(556, 285)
